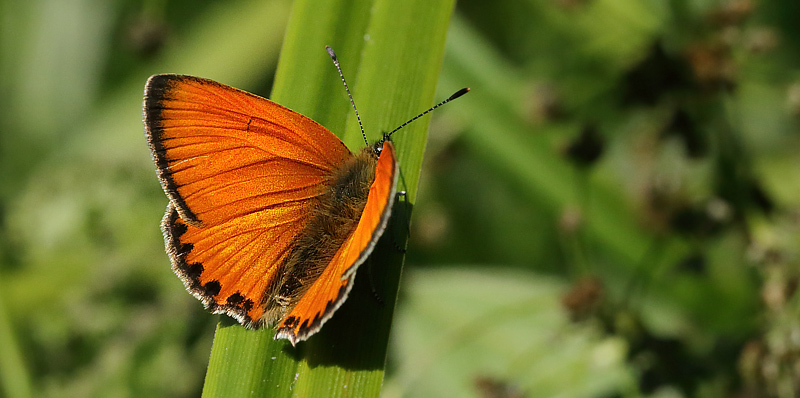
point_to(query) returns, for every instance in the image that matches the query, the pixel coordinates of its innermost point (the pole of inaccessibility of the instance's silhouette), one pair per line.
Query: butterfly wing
(330, 290)
(240, 172)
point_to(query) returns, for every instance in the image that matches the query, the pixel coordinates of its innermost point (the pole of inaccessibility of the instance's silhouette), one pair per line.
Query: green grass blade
(391, 52)
(15, 382)
(530, 159)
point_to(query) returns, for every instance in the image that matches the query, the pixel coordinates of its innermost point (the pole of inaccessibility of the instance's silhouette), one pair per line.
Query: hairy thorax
(335, 216)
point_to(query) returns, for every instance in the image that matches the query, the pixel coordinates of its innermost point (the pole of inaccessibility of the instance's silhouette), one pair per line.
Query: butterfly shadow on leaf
(356, 337)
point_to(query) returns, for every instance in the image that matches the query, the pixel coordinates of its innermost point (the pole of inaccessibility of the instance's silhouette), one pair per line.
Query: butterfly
(269, 213)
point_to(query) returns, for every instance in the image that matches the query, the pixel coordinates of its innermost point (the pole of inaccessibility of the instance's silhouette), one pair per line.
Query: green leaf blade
(391, 53)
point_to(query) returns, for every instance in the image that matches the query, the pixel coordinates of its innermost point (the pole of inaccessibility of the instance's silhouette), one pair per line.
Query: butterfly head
(377, 148)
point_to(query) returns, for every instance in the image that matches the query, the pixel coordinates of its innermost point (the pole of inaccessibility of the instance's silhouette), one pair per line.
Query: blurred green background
(614, 211)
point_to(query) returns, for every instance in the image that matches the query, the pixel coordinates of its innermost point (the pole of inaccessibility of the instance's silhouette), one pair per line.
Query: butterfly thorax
(335, 215)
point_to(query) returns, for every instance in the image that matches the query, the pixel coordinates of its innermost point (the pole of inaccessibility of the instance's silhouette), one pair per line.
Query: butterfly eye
(378, 148)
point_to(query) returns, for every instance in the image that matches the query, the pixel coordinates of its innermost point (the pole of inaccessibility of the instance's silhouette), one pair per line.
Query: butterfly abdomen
(336, 214)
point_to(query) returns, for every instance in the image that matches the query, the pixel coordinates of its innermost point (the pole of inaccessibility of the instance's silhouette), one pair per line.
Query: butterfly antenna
(450, 98)
(336, 62)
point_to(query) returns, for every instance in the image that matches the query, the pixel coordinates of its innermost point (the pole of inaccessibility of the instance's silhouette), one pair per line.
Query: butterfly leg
(372, 285)
(406, 217)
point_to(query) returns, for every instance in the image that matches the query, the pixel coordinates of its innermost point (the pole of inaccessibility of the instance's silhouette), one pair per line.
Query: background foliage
(613, 211)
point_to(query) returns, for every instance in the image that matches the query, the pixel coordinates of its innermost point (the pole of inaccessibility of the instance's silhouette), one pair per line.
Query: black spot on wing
(291, 322)
(212, 288)
(177, 250)
(247, 305)
(309, 327)
(236, 305)
(235, 299)
(238, 301)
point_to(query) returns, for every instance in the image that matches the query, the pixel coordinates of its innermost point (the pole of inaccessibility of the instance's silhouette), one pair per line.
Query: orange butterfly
(269, 213)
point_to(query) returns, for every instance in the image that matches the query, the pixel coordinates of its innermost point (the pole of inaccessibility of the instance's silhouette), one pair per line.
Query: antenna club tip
(459, 93)
(330, 52)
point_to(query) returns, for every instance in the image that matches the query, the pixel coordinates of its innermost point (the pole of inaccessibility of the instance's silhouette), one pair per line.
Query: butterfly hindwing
(330, 289)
